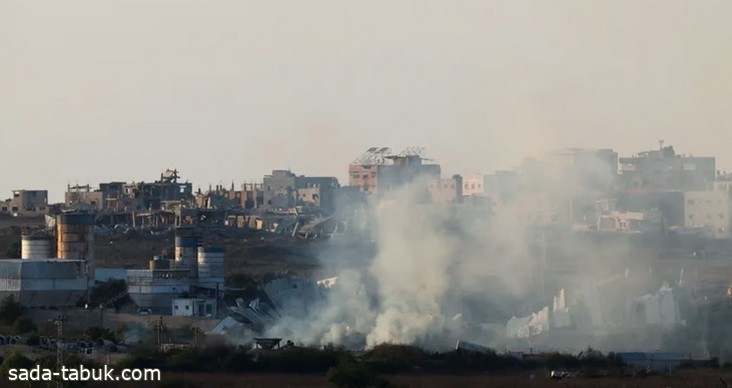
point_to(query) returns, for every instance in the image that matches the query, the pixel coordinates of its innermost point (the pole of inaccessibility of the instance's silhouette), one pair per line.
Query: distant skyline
(94, 91)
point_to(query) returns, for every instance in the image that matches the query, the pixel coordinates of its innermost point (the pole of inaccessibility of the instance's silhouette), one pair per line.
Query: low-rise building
(194, 307)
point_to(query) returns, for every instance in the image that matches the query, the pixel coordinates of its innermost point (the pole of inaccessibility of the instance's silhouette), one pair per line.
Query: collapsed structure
(599, 308)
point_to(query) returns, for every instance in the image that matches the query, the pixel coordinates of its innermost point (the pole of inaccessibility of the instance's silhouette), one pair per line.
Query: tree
(96, 333)
(10, 310)
(23, 325)
(13, 251)
(16, 360)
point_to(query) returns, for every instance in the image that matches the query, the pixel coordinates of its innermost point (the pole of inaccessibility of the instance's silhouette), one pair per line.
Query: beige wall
(708, 209)
(26, 203)
(443, 190)
(364, 177)
(472, 184)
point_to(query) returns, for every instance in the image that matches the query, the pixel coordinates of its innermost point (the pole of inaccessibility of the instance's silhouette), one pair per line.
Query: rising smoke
(444, 272)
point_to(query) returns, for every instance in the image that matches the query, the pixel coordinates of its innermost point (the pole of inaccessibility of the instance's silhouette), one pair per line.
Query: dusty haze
(104, 90)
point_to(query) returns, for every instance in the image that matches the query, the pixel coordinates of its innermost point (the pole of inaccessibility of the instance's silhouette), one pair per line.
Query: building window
(176, 307)
(188, 307)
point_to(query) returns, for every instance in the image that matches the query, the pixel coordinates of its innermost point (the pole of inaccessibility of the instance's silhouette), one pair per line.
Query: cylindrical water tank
(75, 236)
(36, 247)
(186, 250)
(159, 264)
(210, 267)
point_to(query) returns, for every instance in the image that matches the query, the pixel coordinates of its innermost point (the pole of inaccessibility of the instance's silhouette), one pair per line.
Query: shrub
(355, 375)
(23, 325)
(391, 358)
(96, 333)
(33, 339)
(10, 310)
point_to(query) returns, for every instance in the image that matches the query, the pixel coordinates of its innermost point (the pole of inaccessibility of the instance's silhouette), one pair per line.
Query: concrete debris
(530, 325)
(655, 309)
(290, 297)
(224, 326)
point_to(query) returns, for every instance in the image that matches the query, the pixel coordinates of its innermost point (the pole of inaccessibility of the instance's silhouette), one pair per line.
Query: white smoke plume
(444, 272)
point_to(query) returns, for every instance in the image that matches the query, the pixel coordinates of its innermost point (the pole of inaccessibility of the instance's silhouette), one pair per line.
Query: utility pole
(59, 321)
(160, 331)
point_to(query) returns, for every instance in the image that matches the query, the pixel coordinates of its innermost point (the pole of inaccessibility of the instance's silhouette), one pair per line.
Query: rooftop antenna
(660, 142)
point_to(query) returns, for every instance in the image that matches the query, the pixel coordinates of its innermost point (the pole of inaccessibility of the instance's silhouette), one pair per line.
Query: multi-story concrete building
(447, 190)
(664, 170)
(252, 195)
(26, 203)
(279, 190)
(710, 210)
(472, 184)
(378, 171)
(84, 198)
(316, 191)
(285, 190)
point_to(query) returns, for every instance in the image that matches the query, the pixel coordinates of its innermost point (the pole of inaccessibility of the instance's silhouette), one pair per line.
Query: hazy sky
(104, 90)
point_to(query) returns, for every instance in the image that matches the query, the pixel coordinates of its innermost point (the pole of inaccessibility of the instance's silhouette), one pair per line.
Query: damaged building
(127, 197)
(26, 203)
(378, 171)
(283, 190)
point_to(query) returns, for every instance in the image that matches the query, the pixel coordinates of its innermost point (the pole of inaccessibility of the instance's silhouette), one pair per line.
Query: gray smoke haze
(445, 272)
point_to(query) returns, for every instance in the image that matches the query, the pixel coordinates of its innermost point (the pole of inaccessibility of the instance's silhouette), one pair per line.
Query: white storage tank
(36, 247)
(186, 246)
(211, 267)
